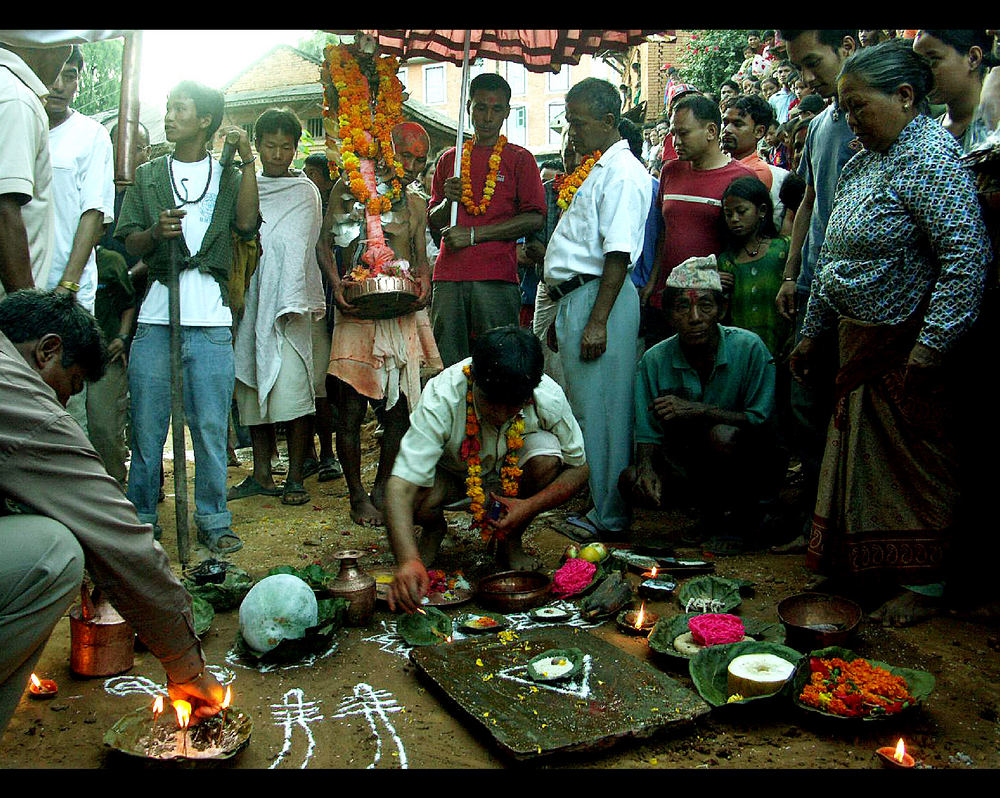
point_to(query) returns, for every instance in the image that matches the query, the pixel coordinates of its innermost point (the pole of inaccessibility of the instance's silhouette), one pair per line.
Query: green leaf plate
(574, 655)
(466, 623)
(426, 629)
(709, 668)
(724, 594)
(667, 630)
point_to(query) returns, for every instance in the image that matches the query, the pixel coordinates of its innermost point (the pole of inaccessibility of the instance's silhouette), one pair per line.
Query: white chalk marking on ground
(293, 711)
(122, 686)
(233, 658)
(370, 702)
(577, 688)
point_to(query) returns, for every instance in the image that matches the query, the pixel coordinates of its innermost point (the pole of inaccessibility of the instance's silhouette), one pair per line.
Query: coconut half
(753, 675)
(686, 645)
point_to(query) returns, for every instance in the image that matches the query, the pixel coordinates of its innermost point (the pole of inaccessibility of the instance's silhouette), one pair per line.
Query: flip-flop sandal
(294, 493)
(213, 539)
(309, 467)
(330, 469)
(250, 487)
(578, 528)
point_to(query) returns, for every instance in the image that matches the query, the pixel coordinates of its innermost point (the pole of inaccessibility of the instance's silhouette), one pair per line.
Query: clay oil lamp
(637, 622)
(896, 757)
(656, 584)
(42, 689)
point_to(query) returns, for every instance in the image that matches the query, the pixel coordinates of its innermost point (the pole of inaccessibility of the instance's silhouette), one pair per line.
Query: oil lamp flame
(641, 616)
(157, 706)
(36, 681)
(652, 574)
(900, 751)
(448, 639)
(183, 710)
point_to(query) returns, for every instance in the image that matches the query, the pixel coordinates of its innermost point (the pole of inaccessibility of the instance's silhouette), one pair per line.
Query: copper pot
(355, 586)
(101, 642)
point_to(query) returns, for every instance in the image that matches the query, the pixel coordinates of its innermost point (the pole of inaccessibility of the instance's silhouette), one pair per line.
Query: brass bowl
(817, 620)
(513, 591)
(382, 296)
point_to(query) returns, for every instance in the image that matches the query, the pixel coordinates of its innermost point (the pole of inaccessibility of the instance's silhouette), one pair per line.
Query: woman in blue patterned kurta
(900, 277)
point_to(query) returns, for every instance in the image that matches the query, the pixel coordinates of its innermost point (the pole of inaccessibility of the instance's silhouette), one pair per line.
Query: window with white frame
(477, 67)
(517, 125)
(403, 73)
(556, 111)
(559, 81)
(517, 77)
(434, 93)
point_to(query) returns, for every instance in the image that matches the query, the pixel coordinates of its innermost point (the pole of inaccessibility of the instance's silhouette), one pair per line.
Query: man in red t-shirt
(690, 197)
(476, 285)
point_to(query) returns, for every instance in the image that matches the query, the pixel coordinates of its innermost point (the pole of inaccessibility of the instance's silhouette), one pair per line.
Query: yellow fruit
(591, 554)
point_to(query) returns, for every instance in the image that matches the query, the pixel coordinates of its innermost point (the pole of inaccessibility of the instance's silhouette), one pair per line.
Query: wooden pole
(177, 405)
(128, 109)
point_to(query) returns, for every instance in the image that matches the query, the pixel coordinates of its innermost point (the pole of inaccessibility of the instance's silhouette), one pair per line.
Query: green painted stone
(615, 697)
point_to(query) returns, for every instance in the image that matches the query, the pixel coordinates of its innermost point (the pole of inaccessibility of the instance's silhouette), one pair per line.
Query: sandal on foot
(310, 466)
(294, 493)
(578, 528)
(250, 487)
(220, 541)
(330, 469)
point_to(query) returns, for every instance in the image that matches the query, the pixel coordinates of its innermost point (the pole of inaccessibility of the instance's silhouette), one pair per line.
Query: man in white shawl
(275, 373)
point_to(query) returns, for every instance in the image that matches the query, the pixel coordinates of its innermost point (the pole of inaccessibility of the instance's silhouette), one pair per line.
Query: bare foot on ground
(511, 555)
(797, 546)
(364, 513)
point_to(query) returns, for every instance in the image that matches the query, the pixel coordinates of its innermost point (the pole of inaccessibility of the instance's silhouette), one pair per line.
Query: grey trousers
(461, 311)
(41, 569)
(602, 394)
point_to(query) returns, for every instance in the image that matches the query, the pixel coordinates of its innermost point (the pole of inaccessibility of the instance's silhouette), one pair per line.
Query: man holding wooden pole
(187, 198)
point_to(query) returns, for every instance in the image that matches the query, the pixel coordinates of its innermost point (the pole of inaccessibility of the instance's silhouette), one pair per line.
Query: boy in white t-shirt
(189, 198)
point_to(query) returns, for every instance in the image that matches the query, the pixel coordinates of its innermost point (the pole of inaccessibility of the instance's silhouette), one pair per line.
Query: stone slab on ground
(616, 696)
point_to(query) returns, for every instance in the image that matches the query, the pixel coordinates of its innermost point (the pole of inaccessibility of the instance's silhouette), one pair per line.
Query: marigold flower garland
(573, 182)
(510, 474)
(489, 187)
(360, 135)
(854, 689)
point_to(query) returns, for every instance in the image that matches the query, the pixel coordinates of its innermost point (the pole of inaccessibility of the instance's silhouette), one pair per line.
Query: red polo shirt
(519, 190)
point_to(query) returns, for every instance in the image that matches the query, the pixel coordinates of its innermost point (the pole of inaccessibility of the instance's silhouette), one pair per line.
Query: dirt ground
(312, 716)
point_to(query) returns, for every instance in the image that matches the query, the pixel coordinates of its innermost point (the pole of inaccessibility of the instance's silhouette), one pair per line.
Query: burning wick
(183, 710)
(157, 711)
(225, 706)
(42, 688)
(896, 757)
(421, 611)
(641, 616)
(448, 639)
(652, 574)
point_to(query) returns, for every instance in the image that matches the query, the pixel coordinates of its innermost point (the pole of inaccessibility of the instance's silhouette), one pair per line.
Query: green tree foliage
(712, 57)
(101, 79)
(315, 45)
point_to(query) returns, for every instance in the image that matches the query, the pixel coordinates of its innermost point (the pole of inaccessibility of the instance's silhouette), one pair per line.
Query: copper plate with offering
(382, 296)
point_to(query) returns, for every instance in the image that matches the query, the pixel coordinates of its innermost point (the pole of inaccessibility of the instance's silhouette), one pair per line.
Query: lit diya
(220, 737)
(896, 757)
(656, 584)
(42, 689)
(637, 622)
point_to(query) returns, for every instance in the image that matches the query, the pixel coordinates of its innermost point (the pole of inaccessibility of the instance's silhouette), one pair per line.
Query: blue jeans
(209, 375)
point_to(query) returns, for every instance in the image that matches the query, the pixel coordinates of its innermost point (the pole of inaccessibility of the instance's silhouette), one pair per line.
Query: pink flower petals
(573, 577)
(716, 629)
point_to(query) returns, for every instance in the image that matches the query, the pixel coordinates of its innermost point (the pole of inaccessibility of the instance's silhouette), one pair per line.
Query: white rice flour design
(122, 686)
(375, 706)
(577, 688)
(293, 711)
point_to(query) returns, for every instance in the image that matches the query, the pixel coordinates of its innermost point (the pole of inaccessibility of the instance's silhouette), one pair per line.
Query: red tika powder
(716, 629)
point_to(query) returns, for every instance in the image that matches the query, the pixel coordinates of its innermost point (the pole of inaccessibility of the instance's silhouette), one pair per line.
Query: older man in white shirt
(599, 236)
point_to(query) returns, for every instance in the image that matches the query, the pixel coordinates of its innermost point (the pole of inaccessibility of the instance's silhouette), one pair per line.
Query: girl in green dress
(752, 265)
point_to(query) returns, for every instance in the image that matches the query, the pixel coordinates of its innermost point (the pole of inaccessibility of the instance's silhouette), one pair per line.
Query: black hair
(76, 57)
(753, 190)
(207, 102)
(754, 33)
(318, 160)
(793, 189)
(831, 38)
(629, 131)
(769, 79)
(731, 84)
(754, 106)
(599, 96)
(489, 81)
(812, 102)
(702, 108)
(553, 164)
(507, 364)
(277, 120)
(887, 66)
(964, 40)
(30, 314)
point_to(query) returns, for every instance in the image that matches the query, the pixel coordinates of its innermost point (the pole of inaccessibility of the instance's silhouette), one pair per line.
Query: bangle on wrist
(789, 279)
(252, 160)
(69, 286)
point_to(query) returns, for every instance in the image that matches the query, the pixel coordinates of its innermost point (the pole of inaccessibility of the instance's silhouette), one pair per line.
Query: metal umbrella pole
(461, 120)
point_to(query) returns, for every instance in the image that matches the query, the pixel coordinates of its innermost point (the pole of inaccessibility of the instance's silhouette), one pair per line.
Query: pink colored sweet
(716, 629)
(573, 577)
